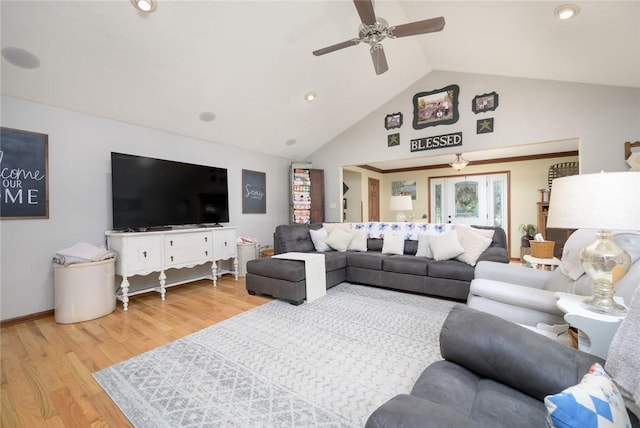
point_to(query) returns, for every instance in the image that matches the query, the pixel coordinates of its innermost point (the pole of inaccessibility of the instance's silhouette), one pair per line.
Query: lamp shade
(400, 203)
(606, 200)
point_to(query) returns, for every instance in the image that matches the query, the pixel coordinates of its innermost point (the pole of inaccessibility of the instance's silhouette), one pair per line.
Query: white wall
(80, 193)
(529, 111)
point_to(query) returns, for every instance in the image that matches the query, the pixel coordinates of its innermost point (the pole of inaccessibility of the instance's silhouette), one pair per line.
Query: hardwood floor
(46, 367)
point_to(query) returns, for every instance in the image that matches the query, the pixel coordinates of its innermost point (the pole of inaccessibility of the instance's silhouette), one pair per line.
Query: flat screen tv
(152, 193)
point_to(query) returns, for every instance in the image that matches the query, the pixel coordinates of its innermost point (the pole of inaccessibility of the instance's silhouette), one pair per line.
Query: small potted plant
(528, 232)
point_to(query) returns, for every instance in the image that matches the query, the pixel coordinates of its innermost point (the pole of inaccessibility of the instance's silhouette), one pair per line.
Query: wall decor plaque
(24, 183)
(436, 142)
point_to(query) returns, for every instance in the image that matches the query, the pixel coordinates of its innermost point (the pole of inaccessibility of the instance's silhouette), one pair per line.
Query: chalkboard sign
(24, 179)
(254, 192)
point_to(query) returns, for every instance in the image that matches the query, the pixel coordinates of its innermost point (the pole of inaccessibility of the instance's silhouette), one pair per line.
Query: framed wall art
(484, 126)
(404, 188)
(254, 192)
(393, 120)
(438, 107)
(24, 158)
(393, 140)
(484, 102)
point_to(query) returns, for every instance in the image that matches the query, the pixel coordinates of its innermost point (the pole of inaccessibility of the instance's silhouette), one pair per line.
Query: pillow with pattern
(595, 402)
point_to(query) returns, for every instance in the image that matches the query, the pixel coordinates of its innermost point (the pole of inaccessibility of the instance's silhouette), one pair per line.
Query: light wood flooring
(46, 367)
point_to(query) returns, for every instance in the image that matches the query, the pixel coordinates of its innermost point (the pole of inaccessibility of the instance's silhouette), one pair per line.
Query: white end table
(542, 263)
(595, 331)
(315, 276)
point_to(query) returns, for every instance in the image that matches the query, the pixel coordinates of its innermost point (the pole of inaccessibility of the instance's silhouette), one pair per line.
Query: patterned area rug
(328, 363)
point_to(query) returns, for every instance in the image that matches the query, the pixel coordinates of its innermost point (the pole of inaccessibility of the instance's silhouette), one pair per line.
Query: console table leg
(214, 272)
(235, 268)
(125, 293)
(163, 291)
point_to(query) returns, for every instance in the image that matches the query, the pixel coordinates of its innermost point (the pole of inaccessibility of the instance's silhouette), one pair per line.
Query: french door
(474, 199)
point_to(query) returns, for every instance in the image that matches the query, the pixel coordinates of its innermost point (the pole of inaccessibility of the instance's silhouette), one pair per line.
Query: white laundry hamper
(84, 291)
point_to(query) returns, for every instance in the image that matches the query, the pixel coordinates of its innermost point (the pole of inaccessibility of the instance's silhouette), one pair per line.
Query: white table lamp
(604, 202)
(401, 203)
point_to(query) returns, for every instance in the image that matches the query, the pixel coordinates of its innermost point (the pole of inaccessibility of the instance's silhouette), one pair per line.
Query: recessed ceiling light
(291, 142)
(20, 58)
(146, 6)
(310, 96)
(207, 116)
(567, 11)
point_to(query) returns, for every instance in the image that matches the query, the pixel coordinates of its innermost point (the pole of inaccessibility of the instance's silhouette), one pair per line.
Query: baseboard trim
(26, 318)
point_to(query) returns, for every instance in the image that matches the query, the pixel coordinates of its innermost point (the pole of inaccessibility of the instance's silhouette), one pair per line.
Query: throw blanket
(623, 362)
(82, 253)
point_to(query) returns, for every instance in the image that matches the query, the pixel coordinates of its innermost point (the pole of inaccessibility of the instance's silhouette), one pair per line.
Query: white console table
(315, 276)
(142, 253)
(595, 331)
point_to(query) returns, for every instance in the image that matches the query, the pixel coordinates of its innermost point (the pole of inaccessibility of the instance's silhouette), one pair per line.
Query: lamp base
(604, 306)
(400, 217)
(605, 263)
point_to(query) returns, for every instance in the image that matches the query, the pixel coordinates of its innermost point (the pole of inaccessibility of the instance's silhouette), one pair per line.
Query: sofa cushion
(368, 260)
(594, 402)
(294, 238)
(359, 241)
(477, 398)
(392, 244)
(339, 239)
(334, 260)
(406, 264)
(319, 238)
(474, 244)
(445, 246)
(451, 269)
(288, 270)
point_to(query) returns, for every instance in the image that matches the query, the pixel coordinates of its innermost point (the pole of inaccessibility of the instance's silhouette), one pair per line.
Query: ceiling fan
(373, 30)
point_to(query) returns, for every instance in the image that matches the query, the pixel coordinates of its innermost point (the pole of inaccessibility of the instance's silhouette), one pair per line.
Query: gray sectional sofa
(285, 279)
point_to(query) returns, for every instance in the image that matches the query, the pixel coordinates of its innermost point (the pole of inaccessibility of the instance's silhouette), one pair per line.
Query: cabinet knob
(171, 258)
(225, 243)
(144, 253)
(206, 253)
(206, 239)
(171, 243)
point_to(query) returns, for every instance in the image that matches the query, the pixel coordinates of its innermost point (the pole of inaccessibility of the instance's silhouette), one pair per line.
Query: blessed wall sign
(436, 142)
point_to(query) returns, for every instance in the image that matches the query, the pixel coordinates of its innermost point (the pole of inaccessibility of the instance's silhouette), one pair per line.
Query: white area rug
(328, 363)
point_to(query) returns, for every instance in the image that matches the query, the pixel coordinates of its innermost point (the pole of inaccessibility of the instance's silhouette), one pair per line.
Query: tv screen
(148, 193)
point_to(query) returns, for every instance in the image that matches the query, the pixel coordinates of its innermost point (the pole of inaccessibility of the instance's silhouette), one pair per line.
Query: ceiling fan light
(459, 162)
(567, 11)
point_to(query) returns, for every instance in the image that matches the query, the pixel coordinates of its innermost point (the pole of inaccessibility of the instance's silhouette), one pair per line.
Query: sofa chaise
(495, 374)
(285, 279)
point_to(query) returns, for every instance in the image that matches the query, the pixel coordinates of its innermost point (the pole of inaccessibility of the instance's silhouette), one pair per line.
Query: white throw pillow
(359, 241)
(473, 245)
(463, 229)
(339, 239)
(331, 226)
(445, 246)
(393, 244)
(423, 245)
(319, 238)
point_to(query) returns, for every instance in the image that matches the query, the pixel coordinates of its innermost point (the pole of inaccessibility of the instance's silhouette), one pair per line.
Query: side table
(595, 331)
(315, 276)
(542, 263)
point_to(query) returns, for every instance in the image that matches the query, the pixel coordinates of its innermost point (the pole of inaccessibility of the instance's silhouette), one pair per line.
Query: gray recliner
(528, 296)
(494, 374)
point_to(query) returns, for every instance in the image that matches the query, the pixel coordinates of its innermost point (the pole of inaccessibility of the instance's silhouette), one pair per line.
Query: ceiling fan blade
(419, 27)
(336, 47)
(365, 10)
(379, 59)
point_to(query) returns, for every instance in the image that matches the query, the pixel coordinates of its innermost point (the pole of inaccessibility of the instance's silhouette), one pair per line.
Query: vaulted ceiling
(250, 62)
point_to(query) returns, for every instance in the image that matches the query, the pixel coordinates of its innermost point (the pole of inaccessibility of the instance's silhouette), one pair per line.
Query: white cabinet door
(224, 244)
(144, 254)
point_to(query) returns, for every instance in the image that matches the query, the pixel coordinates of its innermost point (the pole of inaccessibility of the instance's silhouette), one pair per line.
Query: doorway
(480, 199)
